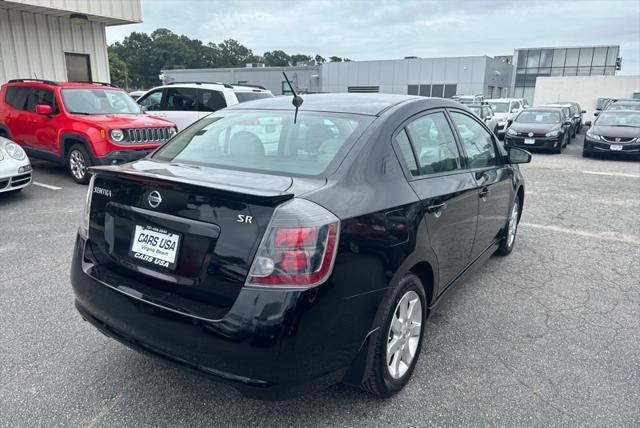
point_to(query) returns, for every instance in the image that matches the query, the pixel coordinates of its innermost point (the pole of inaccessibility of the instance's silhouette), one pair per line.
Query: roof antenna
(297, 99)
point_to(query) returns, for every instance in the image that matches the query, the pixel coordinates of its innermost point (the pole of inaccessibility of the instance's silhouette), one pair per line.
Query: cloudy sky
(364, 30)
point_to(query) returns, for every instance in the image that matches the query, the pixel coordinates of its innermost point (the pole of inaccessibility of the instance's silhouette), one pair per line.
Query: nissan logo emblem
(154, 199)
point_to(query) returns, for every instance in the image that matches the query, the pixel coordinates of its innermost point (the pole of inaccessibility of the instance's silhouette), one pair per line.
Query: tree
(276, 59)
(335, 59)
(300, 58)
(117, 70)
(233, 54)
(346, 60)
(319, 59)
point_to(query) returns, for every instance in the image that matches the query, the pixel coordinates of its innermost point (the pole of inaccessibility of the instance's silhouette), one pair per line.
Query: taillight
(298, 249)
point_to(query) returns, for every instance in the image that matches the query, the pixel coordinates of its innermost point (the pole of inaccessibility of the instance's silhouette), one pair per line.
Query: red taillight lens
(296, 256)
(295, 237)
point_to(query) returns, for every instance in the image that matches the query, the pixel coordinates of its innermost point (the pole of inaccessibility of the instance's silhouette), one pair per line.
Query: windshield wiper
(81, 112)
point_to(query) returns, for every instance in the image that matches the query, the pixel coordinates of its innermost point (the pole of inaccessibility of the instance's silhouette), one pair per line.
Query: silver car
(15, 168)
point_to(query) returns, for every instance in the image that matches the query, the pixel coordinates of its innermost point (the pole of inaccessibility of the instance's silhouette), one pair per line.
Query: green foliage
(136, 62)
(335, 59)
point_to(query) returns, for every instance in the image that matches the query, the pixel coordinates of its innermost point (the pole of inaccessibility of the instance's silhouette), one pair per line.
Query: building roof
(368, 104)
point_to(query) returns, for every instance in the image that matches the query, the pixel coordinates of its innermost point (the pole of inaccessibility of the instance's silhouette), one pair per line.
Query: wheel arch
(4, 132)
(425, 274)
(67, 140)
(520, 196)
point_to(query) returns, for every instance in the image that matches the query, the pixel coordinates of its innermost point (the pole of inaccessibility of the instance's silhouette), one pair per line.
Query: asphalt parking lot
(549, 336)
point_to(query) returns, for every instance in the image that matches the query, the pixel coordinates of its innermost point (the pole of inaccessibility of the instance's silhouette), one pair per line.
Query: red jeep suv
(79, 124)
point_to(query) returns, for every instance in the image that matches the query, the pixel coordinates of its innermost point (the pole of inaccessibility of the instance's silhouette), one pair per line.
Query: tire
(385, 379)
(558, 149)
(78, 162)
(510, 231)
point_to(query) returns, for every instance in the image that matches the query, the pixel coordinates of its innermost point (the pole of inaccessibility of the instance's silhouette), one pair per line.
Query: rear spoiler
(264, 197)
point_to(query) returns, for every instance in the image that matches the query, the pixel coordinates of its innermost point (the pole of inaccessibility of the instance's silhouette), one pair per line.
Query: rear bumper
(270, 344)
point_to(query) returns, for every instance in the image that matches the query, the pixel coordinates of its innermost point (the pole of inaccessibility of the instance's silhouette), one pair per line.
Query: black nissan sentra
(615, 132)
(540, 128)
(282, 250)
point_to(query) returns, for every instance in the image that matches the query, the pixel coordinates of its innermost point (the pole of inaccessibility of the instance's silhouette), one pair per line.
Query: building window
(363, 89)
(412, 89)
(490, 92)
(572, 57)
(437, 90)
(450, 90)
(425, 90)
(78, 67)
(558, 57)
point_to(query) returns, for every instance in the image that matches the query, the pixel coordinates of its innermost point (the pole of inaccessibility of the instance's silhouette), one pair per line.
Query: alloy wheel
(77, 164)
(404, 334)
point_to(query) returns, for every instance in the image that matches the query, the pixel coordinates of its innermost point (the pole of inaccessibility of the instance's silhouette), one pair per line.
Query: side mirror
(583, 111)
(596, 113)
(43, 109)
(517, 155)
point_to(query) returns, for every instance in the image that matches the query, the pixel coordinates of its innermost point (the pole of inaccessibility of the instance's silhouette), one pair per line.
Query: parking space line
(613, 174)
(46, 186)
(606, 236)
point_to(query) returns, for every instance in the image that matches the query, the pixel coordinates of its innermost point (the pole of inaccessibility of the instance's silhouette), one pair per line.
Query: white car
(184, 103)
(15, 168)
(136, 94)
(505, 110)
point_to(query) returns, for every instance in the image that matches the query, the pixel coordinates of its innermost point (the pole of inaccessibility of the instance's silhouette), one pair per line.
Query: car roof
(555, 105)
(366, 104)
(626, 102)
(223, 87)
(554, 109)
(40, 82)
(503, 100)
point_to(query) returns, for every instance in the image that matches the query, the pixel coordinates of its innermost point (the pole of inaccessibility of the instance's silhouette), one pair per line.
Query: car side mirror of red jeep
(43, 109)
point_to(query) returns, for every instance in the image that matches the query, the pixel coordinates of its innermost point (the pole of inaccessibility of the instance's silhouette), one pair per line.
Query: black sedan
(282, 250)
(541, 128)
(615, 132)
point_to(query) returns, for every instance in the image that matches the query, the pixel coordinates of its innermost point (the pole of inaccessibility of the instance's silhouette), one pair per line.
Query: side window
(434, 144)
(407, 152)
(151, 101)
(181, 99)
(41, 96)
(515, 105)
(477, 141)
(17, 97)
(211, 100)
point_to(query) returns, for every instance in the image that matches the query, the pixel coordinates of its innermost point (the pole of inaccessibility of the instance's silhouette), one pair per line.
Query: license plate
(156, 246)
(529, 140)
(615, 147)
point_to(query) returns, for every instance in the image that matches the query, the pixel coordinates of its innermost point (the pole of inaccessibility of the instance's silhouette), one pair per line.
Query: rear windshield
(533, 116)
(629, 106)
(500, 107)
(619, 118)
(250, 96)
(265, 140)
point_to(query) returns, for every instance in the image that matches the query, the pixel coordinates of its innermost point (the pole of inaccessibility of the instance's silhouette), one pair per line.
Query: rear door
(44, 128)
(447, 191)
(17, 119)
(493, 179)
(210, 101)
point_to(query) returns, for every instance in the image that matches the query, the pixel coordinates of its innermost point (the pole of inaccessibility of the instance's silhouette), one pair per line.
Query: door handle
(436, 208)
(483, 192)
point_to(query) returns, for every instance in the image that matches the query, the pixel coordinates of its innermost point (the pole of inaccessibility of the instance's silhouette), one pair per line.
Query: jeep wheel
(78, 163)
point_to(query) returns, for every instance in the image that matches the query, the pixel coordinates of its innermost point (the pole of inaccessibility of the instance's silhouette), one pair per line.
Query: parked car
(484, 112)
(614, 132)
(577, 113)
(538, 127)
(300, 266)
(468, 99)
(184, 103)
(136, 94)
(15, 168)
(624, 105)
(569, 111)
(505, 110)
(78, 124)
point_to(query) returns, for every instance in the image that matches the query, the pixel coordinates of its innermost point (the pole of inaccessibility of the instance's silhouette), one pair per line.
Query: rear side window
(434, 144)
(211, 100)
(407, 152)
(477, 141)
(17, 97)
(250, 96)
(181, 99)
(265, 140)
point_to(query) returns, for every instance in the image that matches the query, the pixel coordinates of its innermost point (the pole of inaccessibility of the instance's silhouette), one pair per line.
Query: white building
(61, 40)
